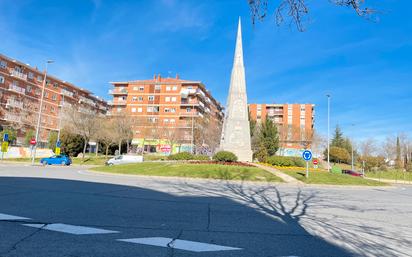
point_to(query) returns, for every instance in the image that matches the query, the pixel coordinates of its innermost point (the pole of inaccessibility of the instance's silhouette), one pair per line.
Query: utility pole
(328, 96)
(40, 110)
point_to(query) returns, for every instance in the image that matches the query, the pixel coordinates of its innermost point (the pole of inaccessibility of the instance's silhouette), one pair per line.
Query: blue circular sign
(307, 155)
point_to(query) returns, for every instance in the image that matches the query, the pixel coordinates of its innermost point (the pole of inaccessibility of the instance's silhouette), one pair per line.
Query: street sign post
(5, 137)
(57, 149)
(315, 163)
(307, 156)
(32, 141)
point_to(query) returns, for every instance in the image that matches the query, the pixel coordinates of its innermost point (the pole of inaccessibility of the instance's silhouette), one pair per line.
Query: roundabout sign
(307, 156)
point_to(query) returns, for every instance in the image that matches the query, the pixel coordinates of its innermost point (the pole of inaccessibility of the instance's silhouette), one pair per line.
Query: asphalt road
(66, 211)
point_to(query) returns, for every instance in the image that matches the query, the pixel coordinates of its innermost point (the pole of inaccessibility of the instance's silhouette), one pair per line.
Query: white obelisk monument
(236, 131)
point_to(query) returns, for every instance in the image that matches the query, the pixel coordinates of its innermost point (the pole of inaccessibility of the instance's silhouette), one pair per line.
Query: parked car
(123, 159)
(61, 159)
(352, 173)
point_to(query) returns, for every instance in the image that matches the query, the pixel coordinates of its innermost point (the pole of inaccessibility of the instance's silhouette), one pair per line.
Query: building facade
(168, 114)
(295, 124)
(20, 93)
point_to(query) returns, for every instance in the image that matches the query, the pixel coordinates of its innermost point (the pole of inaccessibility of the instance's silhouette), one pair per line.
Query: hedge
(286, 161)
(225, 156)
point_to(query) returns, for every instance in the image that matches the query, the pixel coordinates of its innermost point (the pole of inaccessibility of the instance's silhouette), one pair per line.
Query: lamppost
(40, 110)
(60, 118)
(351, 143)
(328, 96)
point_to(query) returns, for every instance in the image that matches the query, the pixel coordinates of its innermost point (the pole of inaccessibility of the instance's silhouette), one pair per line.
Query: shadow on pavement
(252, 221)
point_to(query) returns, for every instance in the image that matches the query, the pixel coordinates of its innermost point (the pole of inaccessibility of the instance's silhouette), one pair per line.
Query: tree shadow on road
(234, 215)
(291, 207)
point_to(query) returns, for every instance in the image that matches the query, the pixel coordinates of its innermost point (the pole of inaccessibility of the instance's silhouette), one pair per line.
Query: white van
(123, 159)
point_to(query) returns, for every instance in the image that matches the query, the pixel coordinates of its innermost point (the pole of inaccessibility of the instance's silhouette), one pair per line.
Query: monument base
(242, 155)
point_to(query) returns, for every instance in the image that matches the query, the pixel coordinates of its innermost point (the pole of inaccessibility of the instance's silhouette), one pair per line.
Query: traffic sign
(32, 141)
(307, 155)
(315, 161)
(5, 137)
(58, 143)
(4, 146)
(57, 150)
(165, 148)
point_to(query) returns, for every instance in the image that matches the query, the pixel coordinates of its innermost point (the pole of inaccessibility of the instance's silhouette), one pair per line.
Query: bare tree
(106, 133)
(123, 126)
(296, 11)
(84, 123)
(368, 147)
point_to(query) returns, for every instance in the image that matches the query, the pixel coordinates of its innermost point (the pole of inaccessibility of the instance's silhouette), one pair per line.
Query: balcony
(67, 93)
(88, 101)
(12, 117)
(18, 74)
(118, 91)
(189, 114)
(17, 89)
(122, 102)
(14, 103)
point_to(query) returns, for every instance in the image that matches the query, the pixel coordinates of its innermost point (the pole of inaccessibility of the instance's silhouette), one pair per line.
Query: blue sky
(365, 66)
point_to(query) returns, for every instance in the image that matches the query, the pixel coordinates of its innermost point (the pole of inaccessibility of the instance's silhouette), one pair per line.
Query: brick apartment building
(168, 113)
(20, 91)
(295, 124)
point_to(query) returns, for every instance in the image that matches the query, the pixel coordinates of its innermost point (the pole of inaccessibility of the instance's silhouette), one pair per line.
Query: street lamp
(351, 143)
(40, 110)
(328, 96)
(60, 118)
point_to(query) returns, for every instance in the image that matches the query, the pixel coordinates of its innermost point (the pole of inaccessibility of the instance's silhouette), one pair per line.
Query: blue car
(61, 159)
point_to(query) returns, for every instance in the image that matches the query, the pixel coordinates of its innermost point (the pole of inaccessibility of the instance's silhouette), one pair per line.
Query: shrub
(286, 161)
(225, 156)
(201, 157)
(181, 156)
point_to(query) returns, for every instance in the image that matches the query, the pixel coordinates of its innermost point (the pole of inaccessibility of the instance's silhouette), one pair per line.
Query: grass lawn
(327, 178)
(100, 160)
(214, 171)
(390, 174)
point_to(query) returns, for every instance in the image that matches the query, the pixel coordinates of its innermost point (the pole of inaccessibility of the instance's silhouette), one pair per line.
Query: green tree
(252, 125)
(339, 154)
(12, 134)
(52, 140)
(29, 135)
(338, 140)
(268, 136)
(71, 144)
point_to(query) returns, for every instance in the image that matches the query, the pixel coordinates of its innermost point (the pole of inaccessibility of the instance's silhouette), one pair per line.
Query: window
(30, 75)
(135, 88)
(119, 109)
(167, 99)
(44, 107)
(3, 64)
(152, 120)
(1, 79)
(173, 110)
(151, 97)
(39, 78)
(172, 120)
(48, 82)
(55, 85)
(38, 92)
(168, 88)
(139, 109)
(174, 88)
(166, 120)
(46, 94)
(54, 97)
(141, 88)
(15, 83)
(134, 98)
(152, 109)
(188, 109)
(133, 109)
(158, 87)
(51, 108)
(140, 98)
(167, 110)
(174, 99)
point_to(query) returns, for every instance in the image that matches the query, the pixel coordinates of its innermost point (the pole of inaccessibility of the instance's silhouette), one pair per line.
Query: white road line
(179, 244)
(71, 229)
(11, 217)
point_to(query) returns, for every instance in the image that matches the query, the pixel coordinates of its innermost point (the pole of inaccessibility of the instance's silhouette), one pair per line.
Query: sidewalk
(391, 181)
(286, 178)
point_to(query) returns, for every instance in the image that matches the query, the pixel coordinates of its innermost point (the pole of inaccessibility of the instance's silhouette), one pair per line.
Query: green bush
(225, 156)
(181, 156)
(201, 157)
(286, 161)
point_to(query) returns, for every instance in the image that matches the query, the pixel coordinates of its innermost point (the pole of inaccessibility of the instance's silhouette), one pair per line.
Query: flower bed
(244, 164)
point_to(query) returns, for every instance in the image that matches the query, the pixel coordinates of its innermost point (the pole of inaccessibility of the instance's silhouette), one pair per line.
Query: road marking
(179, 244)
(11, 217)
(71, 229)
